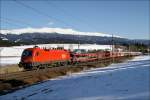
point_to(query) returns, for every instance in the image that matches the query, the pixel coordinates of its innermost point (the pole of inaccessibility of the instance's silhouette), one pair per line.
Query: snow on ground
(124, 81)
(10, 51)
(9, 60)
(141, 58)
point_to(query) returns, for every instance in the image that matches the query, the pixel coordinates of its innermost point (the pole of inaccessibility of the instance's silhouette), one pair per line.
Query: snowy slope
(124, 81)
(52, 30)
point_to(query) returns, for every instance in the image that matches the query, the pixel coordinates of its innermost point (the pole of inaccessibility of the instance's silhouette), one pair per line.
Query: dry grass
(9, 69)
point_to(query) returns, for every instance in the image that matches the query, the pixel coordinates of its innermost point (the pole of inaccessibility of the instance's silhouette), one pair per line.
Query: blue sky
(126, 18)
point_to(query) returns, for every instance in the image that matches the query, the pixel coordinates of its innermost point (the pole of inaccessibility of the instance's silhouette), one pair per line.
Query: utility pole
(78, 42)
(129, 50)
(112, 48)
(78, 45)
(0, 59)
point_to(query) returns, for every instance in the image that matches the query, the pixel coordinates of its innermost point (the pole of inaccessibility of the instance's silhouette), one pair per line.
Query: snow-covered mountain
(54, 35)
(52, 30)
(59, 35)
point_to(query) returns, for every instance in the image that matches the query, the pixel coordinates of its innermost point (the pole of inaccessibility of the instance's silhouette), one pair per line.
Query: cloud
(50, 23)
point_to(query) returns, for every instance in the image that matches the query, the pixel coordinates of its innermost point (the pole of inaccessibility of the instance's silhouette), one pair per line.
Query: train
(36, 57)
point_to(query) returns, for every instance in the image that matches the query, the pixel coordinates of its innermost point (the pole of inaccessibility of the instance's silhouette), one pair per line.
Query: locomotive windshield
(27, 53)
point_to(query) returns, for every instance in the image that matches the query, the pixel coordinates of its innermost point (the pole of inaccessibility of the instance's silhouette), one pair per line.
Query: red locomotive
(36, 57)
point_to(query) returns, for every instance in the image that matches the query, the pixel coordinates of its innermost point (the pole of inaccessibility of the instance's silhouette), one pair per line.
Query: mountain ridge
(38, 37)
(66, 31)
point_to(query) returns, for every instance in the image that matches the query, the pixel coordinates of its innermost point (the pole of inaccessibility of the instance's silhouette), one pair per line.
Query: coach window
(37, 54)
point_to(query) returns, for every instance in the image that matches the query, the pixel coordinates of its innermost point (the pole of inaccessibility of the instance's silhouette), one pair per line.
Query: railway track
(21, 75)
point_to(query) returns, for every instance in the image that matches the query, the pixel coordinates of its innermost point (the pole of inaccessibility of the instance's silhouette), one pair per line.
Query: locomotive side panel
(50, 55)
(36, 57)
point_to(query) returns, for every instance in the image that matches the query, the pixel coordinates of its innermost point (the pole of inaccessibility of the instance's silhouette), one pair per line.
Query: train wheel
(75, 63)
(34, 68)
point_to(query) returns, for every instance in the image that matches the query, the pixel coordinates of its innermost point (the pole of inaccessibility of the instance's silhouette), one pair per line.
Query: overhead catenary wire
(65, 12)
(16, 21)
(71, 16)
(42, 13)
(11, 23)
(35, 10)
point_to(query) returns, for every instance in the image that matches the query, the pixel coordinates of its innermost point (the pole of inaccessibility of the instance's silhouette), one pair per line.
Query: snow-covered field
(11, 55)
(9, 60)
(125, 81)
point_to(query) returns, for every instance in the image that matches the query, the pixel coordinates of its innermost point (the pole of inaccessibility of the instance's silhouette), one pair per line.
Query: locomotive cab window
(27, 53)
